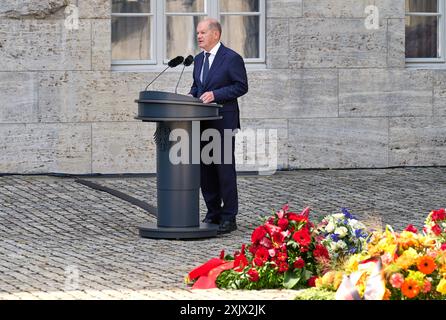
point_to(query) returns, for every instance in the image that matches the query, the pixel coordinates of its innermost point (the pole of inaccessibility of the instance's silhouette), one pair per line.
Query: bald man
(219, 76)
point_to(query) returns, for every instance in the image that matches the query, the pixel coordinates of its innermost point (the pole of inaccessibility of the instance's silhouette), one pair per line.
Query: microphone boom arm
(156, 78)
(171, 64)
(182, 71)
(187, 62)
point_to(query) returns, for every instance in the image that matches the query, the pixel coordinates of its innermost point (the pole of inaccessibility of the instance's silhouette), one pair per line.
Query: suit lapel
(218, 61)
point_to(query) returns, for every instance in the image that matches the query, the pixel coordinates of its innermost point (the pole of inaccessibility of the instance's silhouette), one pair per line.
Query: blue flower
(347, 214)
(352, 250)
(335, 237)
(358, 233)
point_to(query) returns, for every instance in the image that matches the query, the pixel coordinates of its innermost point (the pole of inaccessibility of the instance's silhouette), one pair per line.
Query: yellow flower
(331, 280)
(408, 239)
(417, 276)
(318, 283)
(407, 259)
(360, 285)
(327, 279)
(351, 265)
(338, 279)
(442, 286)
(427, 241)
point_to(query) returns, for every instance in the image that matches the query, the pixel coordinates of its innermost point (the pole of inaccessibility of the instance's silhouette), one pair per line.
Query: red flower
(312, 281)
(436, 230)
(305, 212)
(282, 256)
(304, 249)
(411, 228)
(253, 249)
(298, 218)
(299, 263)
(443, 247)
(222, 254)
(263, 254)
(258, 262)
(283, 224)
(240, 260)
(272, 229)
(253, 275)
(302, 237)
(283, 267)
(258, 234)
(278, 238)
(321, 252)
(266, 243)
(439, 215)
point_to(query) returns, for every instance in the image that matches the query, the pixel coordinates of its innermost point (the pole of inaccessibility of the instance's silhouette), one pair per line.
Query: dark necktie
(206, 67)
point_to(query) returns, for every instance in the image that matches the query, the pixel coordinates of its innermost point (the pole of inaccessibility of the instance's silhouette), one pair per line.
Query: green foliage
(268, 279)
(315, 294)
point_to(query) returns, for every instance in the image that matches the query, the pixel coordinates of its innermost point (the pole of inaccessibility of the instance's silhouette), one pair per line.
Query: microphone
(171, 64)
(187, 62)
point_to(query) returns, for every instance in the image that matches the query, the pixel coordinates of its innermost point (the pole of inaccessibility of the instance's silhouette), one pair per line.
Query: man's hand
(207, 97)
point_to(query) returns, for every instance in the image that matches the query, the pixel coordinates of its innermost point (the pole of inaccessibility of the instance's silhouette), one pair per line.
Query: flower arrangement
(337, 259)
(343, 235)
(435, 225)
(413, 266)
(283, 253)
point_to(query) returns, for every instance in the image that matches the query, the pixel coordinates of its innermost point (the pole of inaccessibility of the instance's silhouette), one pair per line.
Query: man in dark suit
(219, 76)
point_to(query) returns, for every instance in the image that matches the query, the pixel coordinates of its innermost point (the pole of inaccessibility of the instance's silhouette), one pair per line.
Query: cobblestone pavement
(62, 240)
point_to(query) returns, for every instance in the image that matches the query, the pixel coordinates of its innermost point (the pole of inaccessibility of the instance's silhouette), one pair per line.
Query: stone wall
(339, 95)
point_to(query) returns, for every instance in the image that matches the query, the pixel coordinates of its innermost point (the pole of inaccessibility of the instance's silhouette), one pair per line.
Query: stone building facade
(340, 95)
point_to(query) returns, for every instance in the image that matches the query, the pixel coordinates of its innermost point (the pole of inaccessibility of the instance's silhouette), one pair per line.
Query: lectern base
(153, 232)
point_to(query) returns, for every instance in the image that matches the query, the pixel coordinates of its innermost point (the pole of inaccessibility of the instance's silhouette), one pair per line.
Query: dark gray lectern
(177, 184)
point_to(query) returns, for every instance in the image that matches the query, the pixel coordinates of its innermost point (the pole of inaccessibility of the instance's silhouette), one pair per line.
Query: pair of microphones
(174, 63)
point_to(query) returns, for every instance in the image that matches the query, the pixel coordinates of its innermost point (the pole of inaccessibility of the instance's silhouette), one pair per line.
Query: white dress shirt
(213, 53)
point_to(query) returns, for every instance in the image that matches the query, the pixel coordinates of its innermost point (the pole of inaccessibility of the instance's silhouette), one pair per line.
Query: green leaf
(291, 279)
(307, 275)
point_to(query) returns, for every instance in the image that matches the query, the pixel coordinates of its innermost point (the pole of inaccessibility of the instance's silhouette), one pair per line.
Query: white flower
(355, 224)
(339, 216)
(330, 227)
(341, 231)
(341, 245)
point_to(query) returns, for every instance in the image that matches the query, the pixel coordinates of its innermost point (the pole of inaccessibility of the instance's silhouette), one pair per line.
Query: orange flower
(426, 265)
(387, 294)
(410, 288)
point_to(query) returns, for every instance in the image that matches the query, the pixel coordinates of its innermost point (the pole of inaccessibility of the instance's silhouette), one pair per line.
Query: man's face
(207, 38)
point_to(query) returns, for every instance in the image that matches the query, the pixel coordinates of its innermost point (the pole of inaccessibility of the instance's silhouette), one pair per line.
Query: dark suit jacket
(227, 79)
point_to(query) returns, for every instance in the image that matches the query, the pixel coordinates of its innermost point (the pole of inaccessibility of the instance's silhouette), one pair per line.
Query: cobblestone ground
(62, 240)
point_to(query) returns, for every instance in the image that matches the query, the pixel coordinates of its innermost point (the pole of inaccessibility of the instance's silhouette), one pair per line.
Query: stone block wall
(338, 94)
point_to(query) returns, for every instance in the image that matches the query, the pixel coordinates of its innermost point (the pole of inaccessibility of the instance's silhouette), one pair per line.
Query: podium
(178, 185)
